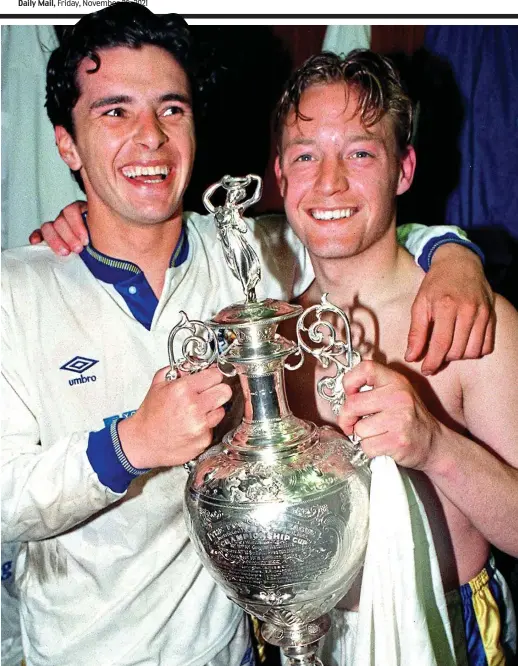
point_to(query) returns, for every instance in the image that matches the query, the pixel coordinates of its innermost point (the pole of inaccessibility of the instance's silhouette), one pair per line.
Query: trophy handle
(199, 348)
(329, 388)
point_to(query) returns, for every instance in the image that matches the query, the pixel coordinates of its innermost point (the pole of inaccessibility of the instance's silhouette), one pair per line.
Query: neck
(148, 246)
(372, 277)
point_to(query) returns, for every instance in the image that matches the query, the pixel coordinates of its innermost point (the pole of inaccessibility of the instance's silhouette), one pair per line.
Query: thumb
(162, 375)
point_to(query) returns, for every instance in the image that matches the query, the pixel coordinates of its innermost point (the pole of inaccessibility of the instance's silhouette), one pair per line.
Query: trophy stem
(265, 397)
(300, 642)
(303, 656)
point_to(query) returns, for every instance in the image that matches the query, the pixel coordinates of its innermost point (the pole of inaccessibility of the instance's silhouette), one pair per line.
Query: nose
(149, 132)
(332, 176)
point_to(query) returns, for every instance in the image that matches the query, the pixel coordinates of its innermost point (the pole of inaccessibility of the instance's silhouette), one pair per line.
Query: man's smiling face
(339, 179)
(134, 135)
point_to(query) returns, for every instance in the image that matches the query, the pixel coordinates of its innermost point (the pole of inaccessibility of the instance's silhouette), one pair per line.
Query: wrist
(128, 445)
(108, 461)
(440, 459)
(449, 247)
(449, 252)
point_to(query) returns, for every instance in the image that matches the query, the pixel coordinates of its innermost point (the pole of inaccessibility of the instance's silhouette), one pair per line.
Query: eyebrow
(300, 141)
(365, 137)
(305, 141)
(127, 99)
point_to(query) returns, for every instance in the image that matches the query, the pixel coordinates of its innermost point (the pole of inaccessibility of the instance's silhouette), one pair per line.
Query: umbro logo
(80, 364)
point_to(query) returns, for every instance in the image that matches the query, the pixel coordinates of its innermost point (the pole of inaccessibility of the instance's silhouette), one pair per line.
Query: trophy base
(299, 643)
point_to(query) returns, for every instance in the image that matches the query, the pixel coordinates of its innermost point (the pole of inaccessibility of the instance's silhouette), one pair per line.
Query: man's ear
(67, 148)
(406, 170)
(281, 180)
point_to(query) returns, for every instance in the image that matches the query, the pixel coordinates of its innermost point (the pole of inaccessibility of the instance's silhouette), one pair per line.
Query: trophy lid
(243, 315)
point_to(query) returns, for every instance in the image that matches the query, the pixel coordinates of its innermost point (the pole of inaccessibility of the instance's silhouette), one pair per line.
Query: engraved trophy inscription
(278, 511)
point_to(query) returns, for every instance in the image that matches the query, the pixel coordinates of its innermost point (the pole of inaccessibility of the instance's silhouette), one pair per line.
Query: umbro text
(82, 380)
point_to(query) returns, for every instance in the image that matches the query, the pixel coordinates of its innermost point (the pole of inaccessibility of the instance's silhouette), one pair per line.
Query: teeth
(337, 214)
(134, 172)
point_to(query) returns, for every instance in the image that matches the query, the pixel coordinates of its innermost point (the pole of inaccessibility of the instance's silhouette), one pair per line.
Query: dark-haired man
(106, 573)
(93, 482)
(344, 157)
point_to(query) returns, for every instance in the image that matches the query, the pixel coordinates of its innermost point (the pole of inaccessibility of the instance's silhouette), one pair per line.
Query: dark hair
(121, 24)
(371, 75)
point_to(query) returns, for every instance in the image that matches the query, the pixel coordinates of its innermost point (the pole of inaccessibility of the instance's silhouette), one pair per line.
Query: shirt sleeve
(109, 460)
(422, 241)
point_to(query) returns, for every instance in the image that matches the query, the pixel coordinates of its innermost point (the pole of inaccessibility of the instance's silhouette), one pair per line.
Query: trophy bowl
(282, 531)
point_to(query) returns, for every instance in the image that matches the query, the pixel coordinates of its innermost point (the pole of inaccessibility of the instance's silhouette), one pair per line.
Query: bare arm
(480, 479)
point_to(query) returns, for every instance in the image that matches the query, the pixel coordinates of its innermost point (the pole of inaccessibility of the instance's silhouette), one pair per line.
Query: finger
(347, 420)
(161, 375)
(201, 381)
(70, 236)
(198, 381)
(464, 323)
(489, 337)
(376, 445)
(369, 403)
(53, 239)
(214, 397)
(365, 403)
(419, 328)
(35, 238)
(366, 373)
(71, 216)
(477, 337)
(440, 341)
(215, 416)
(372, 426)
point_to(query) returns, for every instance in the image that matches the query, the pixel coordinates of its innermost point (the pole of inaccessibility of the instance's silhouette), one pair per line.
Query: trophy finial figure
(240, 255)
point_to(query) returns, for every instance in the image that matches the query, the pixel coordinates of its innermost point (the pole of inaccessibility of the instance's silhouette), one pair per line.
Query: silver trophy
(278, 510)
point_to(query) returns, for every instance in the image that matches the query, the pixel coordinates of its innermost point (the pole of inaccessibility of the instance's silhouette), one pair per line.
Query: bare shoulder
(506, 323)
(504, 357)
(490, 389)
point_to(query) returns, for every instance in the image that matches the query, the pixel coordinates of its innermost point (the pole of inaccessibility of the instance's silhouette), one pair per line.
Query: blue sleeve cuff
(108, 460)
(425, 258)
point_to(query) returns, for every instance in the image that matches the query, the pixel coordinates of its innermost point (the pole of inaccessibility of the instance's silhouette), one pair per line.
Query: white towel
(403, 618)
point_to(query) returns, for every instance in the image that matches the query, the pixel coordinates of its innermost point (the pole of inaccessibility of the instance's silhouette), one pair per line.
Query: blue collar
(129, 280)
